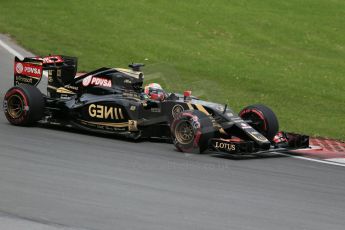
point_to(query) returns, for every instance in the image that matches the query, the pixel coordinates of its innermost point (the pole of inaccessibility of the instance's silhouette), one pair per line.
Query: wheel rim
(184, 132)
(15, 106)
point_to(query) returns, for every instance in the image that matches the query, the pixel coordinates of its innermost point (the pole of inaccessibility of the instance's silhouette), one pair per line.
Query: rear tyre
(263, 119)
(23, 105)
(191, 131)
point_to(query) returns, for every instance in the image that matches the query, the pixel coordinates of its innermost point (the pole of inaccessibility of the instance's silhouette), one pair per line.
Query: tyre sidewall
(16, 91)
(267, 116)
(200, 123)
(33, 103)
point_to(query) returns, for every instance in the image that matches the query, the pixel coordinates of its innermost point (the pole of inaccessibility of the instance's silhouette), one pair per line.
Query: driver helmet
(154, 91)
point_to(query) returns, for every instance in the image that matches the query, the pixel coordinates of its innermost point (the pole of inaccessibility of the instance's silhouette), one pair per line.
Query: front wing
(283, 141)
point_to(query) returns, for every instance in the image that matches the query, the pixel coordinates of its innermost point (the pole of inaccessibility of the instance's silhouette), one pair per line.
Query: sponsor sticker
(258, 137)
(19, 67)
(50, 59)
(127, 81)
(155, 110)
(176, 110)
(58, 73)
(24, 79)
(28, 69)
(105, 112)
(87, 80)
(132, 125)
(196, 123)
(97, 81)
(225, 146)
(31, 70)
(4, 105)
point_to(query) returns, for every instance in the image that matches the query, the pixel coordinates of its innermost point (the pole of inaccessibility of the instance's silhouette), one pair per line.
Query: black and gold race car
(113, 101)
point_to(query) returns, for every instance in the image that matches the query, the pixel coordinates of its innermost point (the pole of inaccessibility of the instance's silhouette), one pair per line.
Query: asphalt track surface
(53, 179)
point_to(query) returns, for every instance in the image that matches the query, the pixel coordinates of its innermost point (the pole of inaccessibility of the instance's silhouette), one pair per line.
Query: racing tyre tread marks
(23, 105)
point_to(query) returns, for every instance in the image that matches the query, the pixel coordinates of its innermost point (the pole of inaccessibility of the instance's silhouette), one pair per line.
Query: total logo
(97, 81)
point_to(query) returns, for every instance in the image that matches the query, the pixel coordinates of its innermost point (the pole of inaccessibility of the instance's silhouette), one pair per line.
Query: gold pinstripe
(222, 131)
(202, 109)
(190, 107)
(122, 124)
(64, 90)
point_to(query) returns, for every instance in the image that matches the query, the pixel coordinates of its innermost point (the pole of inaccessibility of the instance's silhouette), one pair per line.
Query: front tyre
(262, 119)
(191, 131)
(23, 105)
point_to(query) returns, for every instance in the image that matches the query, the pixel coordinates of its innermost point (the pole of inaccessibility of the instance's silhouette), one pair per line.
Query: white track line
(337, 160)
(15, 53)
(314, 160)
(10, 50)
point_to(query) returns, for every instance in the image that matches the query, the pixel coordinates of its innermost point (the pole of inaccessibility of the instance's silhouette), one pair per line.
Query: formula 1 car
(112, 101)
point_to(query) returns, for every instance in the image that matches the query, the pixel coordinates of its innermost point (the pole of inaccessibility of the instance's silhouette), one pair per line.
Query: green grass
(289, 55)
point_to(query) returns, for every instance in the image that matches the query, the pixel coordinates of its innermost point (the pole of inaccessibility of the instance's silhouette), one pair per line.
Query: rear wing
(30, 69)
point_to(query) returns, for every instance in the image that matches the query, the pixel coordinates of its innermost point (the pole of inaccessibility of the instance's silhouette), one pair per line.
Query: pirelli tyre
(191, 131)
(23, 105)
(262, 119)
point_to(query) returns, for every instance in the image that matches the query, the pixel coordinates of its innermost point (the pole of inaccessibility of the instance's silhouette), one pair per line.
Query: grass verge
(286, 54)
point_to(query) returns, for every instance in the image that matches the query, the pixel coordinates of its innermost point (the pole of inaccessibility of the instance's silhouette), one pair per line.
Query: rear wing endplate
(30, 69)
(27, 71)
